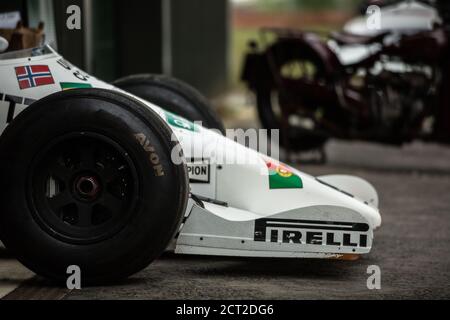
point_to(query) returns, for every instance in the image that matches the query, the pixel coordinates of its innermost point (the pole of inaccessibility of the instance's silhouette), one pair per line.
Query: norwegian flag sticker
(34, 76)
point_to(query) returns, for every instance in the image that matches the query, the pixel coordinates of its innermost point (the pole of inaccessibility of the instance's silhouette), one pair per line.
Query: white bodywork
(243, 210)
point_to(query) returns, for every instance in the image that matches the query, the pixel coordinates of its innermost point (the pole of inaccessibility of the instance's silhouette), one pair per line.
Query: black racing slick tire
(87, 180)
(172, 95)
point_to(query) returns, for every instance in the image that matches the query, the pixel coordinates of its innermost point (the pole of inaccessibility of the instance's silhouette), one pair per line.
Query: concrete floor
(411, 248)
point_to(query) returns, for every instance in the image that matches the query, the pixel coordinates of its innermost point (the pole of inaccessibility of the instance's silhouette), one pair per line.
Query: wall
(184, 38)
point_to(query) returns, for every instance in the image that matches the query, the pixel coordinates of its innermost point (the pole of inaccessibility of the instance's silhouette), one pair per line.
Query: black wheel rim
(83, 187)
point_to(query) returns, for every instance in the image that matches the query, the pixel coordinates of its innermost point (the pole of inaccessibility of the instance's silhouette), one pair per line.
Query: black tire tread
(185, 90)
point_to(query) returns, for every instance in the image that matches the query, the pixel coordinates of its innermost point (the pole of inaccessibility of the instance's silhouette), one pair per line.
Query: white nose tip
(3, 44)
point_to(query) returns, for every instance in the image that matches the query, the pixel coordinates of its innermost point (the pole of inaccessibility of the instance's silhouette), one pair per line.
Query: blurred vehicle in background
(388, 84)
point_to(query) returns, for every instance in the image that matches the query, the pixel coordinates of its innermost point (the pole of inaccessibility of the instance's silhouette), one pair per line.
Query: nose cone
(325, 193)
(372, 215)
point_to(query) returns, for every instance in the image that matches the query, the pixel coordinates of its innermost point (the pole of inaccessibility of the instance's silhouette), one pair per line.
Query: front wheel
(87, 180)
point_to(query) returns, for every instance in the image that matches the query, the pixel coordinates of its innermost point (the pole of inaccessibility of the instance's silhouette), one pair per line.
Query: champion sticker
(199, 171)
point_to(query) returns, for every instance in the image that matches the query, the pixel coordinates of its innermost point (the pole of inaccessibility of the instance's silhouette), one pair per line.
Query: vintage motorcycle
(389, 84)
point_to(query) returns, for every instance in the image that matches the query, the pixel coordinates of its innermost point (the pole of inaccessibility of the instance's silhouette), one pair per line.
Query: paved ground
(412, 247)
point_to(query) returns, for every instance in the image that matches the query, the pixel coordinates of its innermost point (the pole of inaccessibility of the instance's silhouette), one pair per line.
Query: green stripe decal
(74, 85)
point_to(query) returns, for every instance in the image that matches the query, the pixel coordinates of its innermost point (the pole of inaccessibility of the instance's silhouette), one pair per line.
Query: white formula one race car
(107, 177)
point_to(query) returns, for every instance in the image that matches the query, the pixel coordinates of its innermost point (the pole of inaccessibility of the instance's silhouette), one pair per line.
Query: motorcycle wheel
(292, 62)
(299, 139)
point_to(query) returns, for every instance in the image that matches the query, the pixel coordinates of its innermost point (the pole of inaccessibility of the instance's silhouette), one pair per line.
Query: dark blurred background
(199, 41)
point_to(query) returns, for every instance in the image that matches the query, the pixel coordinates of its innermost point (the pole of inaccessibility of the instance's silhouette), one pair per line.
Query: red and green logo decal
(281, 177)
